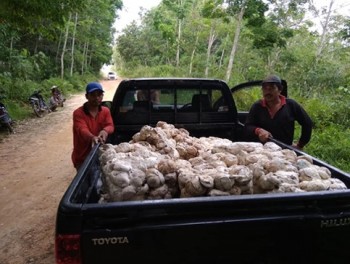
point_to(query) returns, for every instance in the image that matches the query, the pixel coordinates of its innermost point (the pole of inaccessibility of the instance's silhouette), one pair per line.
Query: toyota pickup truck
(291, 227)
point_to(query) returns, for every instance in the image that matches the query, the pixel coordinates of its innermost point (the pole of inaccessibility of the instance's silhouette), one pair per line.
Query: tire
(37, 110)
(10, 128)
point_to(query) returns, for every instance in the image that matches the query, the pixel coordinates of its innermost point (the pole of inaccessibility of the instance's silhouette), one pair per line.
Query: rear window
(180, 99)
(172, 101)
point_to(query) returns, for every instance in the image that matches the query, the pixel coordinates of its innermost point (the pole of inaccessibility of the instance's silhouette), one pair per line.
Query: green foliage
(329, 109)
(321, 114)
(158, 71)
(214, 9)
(330, 138)
(38, 16)
(34, 44)
(269, 35)
(17, 91)
(344, 33)
(179, 8)
(31, 45)
(25, 66)
(255, 13)
(245, 98)
(17, 110)
(331, 145)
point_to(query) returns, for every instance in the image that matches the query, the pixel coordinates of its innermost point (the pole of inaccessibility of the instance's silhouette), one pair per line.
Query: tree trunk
(73, 43)
(84, 59)
(324, 32)
(211, 40)
(10, 55)
(178, 42)
(221, 58)
(58, 48)
(235, 42)
(192, 55)
(87, 56)
(64, 46)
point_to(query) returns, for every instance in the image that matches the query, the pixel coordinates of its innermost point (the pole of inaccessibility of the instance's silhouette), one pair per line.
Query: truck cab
(192, 104)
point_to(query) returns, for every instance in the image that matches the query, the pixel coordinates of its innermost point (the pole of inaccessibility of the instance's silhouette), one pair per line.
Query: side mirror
(107, 104)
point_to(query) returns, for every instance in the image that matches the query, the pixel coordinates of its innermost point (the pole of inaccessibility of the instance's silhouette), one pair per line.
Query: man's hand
(297, 146)
(264, 135)
(102, 136)
(94, 140)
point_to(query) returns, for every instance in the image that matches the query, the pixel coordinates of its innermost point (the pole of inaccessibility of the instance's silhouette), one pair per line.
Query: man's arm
(253, 131)
(108, 124)
(305, 122)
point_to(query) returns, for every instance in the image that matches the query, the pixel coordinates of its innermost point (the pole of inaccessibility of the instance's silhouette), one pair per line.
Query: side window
(195, 100)
(219, 102)
(158, 99)
(152, 95)
(128, 101)
(166, 100)
(184, 98)
(246, 97)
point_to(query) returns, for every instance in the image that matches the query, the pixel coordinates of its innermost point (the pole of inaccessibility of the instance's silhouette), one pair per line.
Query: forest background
(66, 43)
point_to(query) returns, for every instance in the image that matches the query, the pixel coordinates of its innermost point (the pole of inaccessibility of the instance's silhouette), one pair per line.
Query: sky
(130, 11)
(340, 6)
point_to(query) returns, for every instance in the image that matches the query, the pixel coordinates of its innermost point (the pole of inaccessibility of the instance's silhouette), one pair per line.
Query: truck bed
(308, 227)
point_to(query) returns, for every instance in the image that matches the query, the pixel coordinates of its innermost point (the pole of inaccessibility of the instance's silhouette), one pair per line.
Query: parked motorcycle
(38, 104)
(5, 119)
(57, 99)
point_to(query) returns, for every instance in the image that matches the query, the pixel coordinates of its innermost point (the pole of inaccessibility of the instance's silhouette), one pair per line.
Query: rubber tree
(180, 8)
(251, 11)
(214, 11)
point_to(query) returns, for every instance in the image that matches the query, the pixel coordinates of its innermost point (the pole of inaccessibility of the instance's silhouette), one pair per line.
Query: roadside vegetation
(233, 40)
(246, 40)
(52, 42)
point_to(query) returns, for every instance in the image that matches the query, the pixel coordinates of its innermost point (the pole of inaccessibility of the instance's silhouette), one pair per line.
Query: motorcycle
(38, 104)
(57, 99)
(5, 119)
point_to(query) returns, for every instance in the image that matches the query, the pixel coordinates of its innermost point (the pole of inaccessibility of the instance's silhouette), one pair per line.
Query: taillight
(67, 249)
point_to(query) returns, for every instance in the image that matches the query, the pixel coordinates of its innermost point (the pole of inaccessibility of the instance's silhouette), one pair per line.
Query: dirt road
(35, 170)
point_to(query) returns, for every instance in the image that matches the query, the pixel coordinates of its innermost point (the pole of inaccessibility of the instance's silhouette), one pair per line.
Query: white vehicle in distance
(111, 76)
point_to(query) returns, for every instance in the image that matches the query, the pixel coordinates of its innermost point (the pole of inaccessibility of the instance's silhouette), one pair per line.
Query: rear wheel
(10, 128)
(37, 110)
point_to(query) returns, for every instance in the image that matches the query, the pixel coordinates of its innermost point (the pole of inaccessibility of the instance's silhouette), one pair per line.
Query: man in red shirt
(92, 123)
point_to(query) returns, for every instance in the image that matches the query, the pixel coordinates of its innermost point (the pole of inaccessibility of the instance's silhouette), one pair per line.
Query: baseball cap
(94, 86)
(272, 79)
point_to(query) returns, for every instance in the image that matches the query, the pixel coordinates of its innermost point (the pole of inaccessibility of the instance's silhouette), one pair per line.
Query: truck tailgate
(259, 229)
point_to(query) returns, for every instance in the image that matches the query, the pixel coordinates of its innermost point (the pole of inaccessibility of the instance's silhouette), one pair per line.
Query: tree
(213, 11)
(84, 44)
(38, 16)
(180, 9)
(253, 12)
(344, 32)
(65, 45)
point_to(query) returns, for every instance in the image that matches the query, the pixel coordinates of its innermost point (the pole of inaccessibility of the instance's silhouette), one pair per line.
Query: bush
(17, 110)
(331, 145)
(17, 91)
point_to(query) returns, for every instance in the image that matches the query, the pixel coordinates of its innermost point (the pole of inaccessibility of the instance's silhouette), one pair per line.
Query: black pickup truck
(292, 227)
